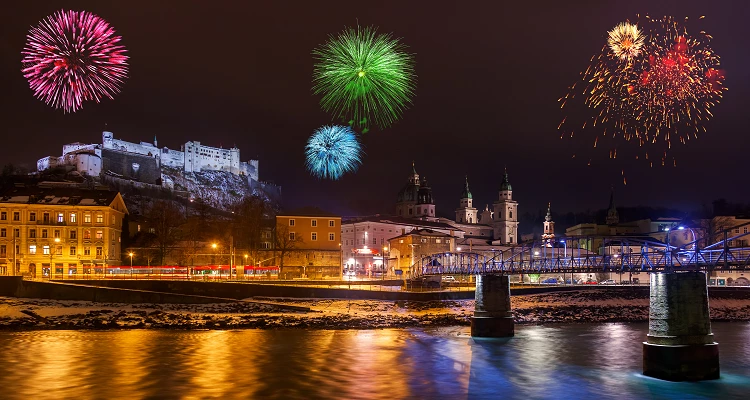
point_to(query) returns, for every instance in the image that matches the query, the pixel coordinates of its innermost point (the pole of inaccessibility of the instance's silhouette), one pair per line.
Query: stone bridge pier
(679, 345)
(492, 316)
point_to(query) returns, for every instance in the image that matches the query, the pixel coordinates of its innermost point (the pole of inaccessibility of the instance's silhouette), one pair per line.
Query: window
(331, 223)
(291, 235)
(32, 249)
(3, 251)
(437, 240)
(3, 216)
(32, 233)
(73, 234)
(32, 217)
(510, 216)
(374, 240)
(291, 222)
(44, 233)
(45, 218)
(17, 233)
(744, 230)
(87, 234)
(72, 218)
(99, 218)
(16, 216)
(72, 250)
(87, 218)
(401, 241)
(58, 250)
(86, 251)
(410, 211)
(57, 233)
(314, 236)
(99, 234)
(60, 217)
(423, 240)
(99, 252)
(314, 223)
(331, 237)
(45, 250)
(3, 232)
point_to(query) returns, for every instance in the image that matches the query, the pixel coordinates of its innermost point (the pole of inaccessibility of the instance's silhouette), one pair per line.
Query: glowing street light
(131, 259)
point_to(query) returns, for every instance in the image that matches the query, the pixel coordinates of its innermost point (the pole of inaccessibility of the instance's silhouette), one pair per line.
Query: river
(548, 361)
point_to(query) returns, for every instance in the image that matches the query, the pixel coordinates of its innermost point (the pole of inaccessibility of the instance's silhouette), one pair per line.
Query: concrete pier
(680, 345)
(492, 316)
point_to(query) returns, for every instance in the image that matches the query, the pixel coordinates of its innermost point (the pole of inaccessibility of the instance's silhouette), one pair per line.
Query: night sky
(489, 76)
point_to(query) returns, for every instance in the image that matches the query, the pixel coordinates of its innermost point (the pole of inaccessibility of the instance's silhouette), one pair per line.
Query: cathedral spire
(548, 217)
(466, 194)
(613, 218)
(505, 185)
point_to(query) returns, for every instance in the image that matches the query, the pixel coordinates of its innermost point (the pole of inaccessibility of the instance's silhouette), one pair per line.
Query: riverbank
(573, 306)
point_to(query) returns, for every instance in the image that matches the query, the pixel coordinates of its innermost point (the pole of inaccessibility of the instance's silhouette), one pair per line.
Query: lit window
(99, 234)
(60, 217)
(87, 218)
(87, 234)
(86, 251)
(45, 250)
(72, 218)
(99, 218)
(32, 249)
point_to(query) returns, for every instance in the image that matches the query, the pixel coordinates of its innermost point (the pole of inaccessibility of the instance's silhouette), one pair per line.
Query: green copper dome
(466, 194)
(505, 185)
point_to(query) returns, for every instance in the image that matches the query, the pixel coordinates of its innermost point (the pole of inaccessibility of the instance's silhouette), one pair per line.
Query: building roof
(307, 212)
(402, 221)
(423, 232)
(57, 196)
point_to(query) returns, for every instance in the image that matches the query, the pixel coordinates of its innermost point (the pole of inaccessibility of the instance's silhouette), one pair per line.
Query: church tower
(613, 218)
(407, 197)
(466, 213)
(549, 226)
(505, 222)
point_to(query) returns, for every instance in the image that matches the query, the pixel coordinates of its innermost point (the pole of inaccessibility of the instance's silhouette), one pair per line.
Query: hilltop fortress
(144, 161)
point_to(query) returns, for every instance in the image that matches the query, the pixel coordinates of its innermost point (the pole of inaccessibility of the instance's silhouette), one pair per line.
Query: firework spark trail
(71, 57)
(333, 151)
(653, 91)
(364, 76)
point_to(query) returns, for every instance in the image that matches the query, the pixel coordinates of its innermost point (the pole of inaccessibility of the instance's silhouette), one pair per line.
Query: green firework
(364, 76)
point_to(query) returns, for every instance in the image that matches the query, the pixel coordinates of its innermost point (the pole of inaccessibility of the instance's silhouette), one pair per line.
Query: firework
(364, 76)
(653, 91)
(333, 151)
(71, 57)
(625, 40)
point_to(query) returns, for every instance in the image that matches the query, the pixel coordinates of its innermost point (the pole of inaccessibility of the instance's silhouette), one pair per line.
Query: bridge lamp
(536, 253)
(681, 228)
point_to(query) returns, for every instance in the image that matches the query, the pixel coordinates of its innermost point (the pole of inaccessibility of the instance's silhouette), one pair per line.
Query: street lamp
(57, 240)
(215, 246)
(385, 248)
(565, 257)
(131, 260)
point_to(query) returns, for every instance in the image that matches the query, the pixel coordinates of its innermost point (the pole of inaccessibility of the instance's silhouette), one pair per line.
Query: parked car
(549, 281)
(575, 281)
(449, 279)
(591, 282)
(608, 282)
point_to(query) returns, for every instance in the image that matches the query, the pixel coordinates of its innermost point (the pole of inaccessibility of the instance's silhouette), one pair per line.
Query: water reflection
(556, 361)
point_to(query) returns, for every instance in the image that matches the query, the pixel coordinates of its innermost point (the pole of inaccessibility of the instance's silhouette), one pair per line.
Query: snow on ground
(573, 306)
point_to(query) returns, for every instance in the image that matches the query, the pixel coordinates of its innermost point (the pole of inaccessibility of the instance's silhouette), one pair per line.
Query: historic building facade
(311, 242)
(60, 232)
(415, 198)
(192, 157)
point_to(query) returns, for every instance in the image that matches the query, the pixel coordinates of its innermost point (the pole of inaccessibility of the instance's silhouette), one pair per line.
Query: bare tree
(164, 217)
(285, 242)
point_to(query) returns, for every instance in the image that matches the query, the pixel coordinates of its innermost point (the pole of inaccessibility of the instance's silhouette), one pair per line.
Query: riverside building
(59, 232)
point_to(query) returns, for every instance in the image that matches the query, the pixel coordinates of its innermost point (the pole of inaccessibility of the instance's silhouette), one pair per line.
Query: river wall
(15, 286)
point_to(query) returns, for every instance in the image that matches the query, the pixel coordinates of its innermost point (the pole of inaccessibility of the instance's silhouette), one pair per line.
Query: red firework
(71, 57)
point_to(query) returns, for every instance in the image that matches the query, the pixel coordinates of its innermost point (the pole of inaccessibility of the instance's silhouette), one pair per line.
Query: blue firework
(333, 151)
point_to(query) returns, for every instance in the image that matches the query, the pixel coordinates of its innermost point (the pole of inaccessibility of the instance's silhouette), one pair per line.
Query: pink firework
(72, 57)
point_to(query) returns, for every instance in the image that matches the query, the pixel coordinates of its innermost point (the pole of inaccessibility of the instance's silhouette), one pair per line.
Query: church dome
(408, 193)
(505, 185)
(424, 195)
(466, 194)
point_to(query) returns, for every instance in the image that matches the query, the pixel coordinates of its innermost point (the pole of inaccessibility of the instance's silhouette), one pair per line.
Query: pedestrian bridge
(614, 253)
